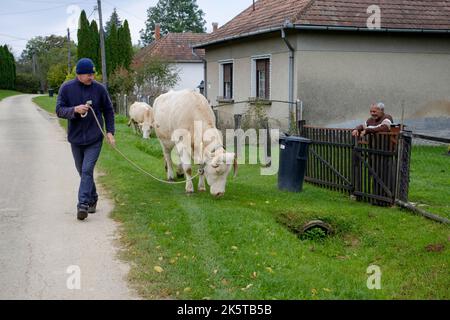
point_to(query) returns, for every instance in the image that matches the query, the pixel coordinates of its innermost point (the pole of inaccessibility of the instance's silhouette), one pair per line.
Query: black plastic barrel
(50, 92)
(293, 158)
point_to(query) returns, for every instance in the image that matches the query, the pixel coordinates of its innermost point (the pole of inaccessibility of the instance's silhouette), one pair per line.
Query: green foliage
(125, 46)
(154, 77)
(7, 69)
(84, 37)
(121, 82)
(255, 117)
(95, 50)
(47, 51)
(111, 48)
(173, 16)
(27, 83)
(314, 234)
(57, 75)
(114, 19)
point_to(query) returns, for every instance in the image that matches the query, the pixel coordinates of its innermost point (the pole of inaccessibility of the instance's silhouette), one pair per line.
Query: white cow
(141, 117)
(184, 119)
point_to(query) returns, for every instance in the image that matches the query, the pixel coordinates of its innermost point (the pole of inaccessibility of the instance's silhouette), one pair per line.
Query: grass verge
(8, 93)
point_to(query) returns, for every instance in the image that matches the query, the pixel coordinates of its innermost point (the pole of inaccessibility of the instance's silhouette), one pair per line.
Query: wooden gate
(368, 168)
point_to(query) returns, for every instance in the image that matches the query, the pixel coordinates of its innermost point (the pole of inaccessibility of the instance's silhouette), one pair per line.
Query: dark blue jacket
(85, 131)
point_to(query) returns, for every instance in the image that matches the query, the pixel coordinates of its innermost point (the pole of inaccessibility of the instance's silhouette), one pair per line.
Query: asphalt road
(45, 252)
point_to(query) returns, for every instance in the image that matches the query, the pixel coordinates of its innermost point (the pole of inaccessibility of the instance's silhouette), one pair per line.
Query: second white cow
(141, 117)
(184, 119)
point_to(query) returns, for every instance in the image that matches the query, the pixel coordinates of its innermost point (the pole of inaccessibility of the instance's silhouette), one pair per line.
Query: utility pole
(102, 44)
(69, 62)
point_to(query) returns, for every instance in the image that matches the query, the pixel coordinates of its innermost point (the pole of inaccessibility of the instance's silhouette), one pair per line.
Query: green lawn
(7, 93)
(241, 246)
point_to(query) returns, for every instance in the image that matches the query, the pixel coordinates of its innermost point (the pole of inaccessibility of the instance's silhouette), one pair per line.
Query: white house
(176, 48)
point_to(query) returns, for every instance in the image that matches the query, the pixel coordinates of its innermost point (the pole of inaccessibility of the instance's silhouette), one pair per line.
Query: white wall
(190, 74)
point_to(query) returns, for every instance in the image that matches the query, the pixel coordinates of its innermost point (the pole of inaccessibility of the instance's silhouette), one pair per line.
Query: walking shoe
(92, 207)
(82, 212)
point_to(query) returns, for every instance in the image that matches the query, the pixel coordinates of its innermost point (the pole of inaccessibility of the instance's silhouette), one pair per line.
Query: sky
(21, 20)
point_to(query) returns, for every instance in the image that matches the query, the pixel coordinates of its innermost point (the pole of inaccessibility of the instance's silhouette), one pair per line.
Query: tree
(84, 37)
(113, 20)
(7, 68)
(121, 82)
(57, 75)
(48, 51)
(173, 16)
(112, 54)
(125, 46)
(154, 77)
(95, 51)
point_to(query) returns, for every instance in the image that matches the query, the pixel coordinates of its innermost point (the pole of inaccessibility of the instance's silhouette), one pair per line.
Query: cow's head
(147, 125)
(146, 129)
(217, 169)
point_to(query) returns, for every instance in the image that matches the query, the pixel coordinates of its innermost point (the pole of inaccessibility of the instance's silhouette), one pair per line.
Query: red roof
(174, 47)
(395, 14)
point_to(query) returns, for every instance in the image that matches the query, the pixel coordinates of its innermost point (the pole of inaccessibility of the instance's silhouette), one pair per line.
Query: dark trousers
(85, 159)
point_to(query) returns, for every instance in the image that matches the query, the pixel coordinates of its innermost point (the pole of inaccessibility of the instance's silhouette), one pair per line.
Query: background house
(176, 48)
(323, 53)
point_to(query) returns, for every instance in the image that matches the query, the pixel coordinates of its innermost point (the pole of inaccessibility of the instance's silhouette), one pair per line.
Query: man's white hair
(380, 105)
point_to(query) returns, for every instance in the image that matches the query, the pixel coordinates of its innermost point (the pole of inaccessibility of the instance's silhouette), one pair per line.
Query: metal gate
(374, 169)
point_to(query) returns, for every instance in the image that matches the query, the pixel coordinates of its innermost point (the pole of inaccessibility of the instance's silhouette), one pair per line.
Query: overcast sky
(21, 20)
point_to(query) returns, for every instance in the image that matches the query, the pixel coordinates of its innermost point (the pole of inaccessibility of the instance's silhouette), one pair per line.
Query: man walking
(84, 135)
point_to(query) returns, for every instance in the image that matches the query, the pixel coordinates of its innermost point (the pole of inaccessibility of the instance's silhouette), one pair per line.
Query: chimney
(215, 26)
(157, 31)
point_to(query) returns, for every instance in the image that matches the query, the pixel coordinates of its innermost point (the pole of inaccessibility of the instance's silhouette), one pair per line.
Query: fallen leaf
(435, 247)
(326, 290)
(225, 282)
(160, 258)
(215, 271)
(314, 291)
(234, 248)
(269, 269)
(254, 275)
(187, 289)
(247, 287)
(158, 269)
(173, 261)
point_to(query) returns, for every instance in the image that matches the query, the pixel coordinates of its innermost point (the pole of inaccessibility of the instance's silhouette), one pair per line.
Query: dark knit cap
(85, 66)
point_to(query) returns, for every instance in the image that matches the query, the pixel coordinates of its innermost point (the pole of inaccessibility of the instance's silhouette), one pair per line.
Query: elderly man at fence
(378, 122)
(75, 100)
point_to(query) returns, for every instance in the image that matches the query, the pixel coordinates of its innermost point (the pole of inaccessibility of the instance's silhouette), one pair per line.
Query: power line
(31, 11)
(121, 9)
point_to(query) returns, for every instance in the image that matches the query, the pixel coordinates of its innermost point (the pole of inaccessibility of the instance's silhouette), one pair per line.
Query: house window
(262, 78)
(227, 86)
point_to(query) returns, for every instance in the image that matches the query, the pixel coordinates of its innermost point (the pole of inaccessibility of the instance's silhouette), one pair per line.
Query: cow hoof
(189, 193)
(171, 180)
(201, 190)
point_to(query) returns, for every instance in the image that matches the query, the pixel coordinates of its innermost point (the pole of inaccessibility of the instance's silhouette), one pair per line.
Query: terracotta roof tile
(409, 14)
(174, 47)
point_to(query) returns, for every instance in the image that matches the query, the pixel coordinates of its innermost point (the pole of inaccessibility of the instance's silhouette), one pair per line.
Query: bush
(56, 76)
(27, 83)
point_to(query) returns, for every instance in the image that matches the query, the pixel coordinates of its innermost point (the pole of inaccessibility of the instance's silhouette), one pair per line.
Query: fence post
(237, 125)
(404, 161)
(268, 159)
(125, 98)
